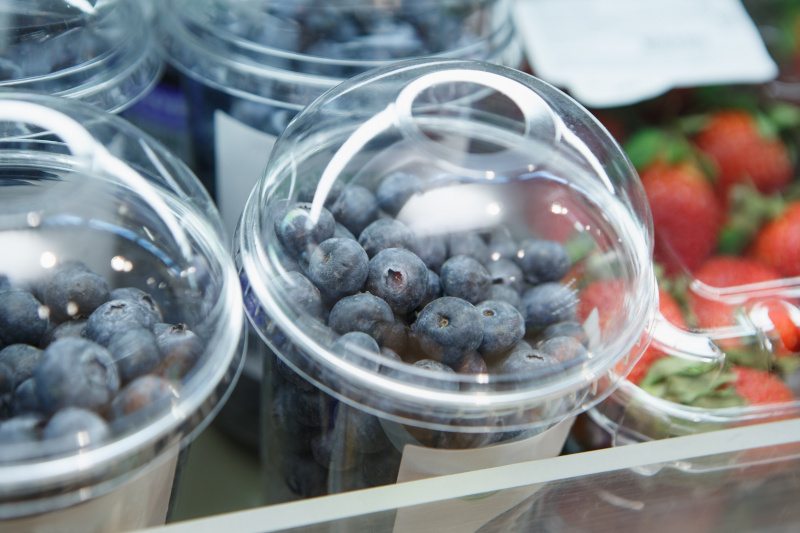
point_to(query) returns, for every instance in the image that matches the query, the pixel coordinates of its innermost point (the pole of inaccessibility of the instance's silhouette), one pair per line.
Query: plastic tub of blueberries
(102, 53)
(121, 321)
(248, 67)
(414, 256)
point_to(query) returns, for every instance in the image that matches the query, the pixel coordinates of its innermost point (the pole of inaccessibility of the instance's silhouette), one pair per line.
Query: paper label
(419, 462)
(241, 154)
(609, 53)
(139, 503)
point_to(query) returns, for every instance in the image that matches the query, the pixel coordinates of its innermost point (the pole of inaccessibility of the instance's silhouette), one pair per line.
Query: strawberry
(686, 213)
(758, 387)
(606, 296)
(672, 312)
(734, 142)
(778, 243)
(723, 272)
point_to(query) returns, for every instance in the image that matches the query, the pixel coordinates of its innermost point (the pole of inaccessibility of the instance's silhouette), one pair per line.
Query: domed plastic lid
(98, 51)
(120, 311)
(286, 50)
(462, 214)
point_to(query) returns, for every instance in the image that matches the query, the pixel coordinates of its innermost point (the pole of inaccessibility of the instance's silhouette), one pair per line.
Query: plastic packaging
(105, 235)
(476, 165)
(102, 53)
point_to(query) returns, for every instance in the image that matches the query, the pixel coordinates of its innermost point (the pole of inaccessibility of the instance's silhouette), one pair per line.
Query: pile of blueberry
(467, 302)
(80, 361)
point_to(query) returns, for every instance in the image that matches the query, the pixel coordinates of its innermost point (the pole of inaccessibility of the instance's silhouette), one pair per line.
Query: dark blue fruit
(565, 329)
(396, 189)
(351, 347)
(355, 208)
(432, 249)
(506, 272)
(363, 312)
(529, 363)
(69, 328)
(21, 429)
(386, 233)
(180, 349)
(74, 291)
(358, 431)
(114, 316)
(399, 277)
(22, 359)
(140, 297)
(503, 327)
(302, 294)
(23, 319)
(140, 393)
(464, 277)
(470, 244)
(76, 372)
(73, 428)
(338, 268)
(299, 232)
(449, 329)
(25, 398)
(543, 260)
(548, 304)
(135, 352)
(507, 294)
(566, 350)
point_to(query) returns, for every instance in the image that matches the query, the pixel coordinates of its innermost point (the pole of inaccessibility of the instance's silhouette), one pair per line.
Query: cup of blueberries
(247, 67)
(120, 318)
(415, 257)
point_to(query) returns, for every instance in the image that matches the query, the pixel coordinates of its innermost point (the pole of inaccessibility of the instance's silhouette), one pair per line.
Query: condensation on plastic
(81, 184)
(529, 135)
(101, 52)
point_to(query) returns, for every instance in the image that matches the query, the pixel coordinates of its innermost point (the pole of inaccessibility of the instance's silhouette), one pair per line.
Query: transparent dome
(504, 189)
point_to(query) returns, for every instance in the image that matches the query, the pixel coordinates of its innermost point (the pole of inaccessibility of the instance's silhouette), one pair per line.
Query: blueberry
(399, 277)
(352, 345)
(566, 350)
(526, 363)
(135, 352)
(340, 232)
(76, 372)
(180, 349)
(23, 319)
(70, 328)
(7, 382)
(355, 208)
(302, 294)
(22, 359)
(449, 329)
(395, 190)
(21, 429)
(464, 277)
(359, 431)
(311, 408)
(386, 233)
(470, 244)
(565, 329)
(435, 367)
(299, 233)
(25, 398)
(433, 290)
(507, 294)
(506, 272)
(472, 364)
(74, 291)
(307, 190)
(114, 316)
(502, 245)
(363, 312)
(503, 327)
(142, 392)
(395, 337)
(549, 303)
(338, 267)
(291, 433)
(303, 475)
(139, 296)
(432, 249)
(542, 261)
(75, 428)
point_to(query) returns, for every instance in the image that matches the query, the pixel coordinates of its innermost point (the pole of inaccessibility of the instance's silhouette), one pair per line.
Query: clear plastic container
(102, 53)
(490, 163)
(116, 280)
(247, 67)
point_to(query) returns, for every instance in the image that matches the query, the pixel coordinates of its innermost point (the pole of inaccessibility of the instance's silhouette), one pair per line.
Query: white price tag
(241, 155)
(608, 53)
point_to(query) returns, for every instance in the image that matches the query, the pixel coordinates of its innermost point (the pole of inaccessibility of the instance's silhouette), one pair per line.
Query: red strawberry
(723, 272)
(604, 295)
(759, 387)
(732, 139)
(686, 214)
(672, 312)
(778, 243)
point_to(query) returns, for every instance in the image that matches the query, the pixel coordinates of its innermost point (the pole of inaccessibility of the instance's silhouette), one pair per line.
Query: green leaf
(644, 146)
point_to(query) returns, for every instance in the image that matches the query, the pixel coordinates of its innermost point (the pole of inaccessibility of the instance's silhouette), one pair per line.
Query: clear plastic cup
(125, 292)
(102, 53)
(247, 67)
(473, 166)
